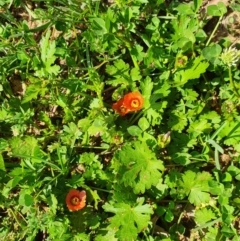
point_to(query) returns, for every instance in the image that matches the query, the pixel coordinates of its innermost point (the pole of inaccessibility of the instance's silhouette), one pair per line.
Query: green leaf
(182, 158)
(48, 49)
(53, 202)
(197, 4)
(212, 52)
(201, 35)
(80, 237)
(216, 188)
(109, 235)
(231, 133)
(134, 130)
(3, 114)
(213, 117)
(13, 182)
(197, 68)
(185, 9)
(153, 116)
(196, 186)
(129, 220)
(169, 216)
(26, 147)
(235, 6)
(216, 146)
(189, 95)
(84, 219)
(177, 121)
(128, 197)
(217, 10)
(25, 199)
(99, 26)
(227, 213)
(198, 127)
(146, 87)
(33, 90)
(143, 124)
(135, 74)
(120, 74)
(98, 127)
(2, 165)
(139, 167)
(212, 234)
(204, 215)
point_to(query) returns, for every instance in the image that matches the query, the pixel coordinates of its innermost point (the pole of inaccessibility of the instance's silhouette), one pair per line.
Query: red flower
(130, 102)
(76, 200)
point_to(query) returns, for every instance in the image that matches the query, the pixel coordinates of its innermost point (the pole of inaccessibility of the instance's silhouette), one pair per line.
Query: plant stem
(214, 30)
(135, 117)
(12, 212)
(232, 83)
(209, 224)
(100, 189)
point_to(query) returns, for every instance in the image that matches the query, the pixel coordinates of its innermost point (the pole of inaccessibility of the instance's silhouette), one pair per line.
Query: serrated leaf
(182, 158)
(80, 237)
(128, 220)
(139, 166)
(32, 92)
(146, 88)
(110, 235)
(198, 67)
(204, 215)
(213, 117)
(26, 147)
(128, 197)
(189, 95)
(3, 114)
(198, 127)
(177, 121)
(196, 186)
(48, 49)
(98, 127)
(135, 74)
(154, 107)
(120, 73)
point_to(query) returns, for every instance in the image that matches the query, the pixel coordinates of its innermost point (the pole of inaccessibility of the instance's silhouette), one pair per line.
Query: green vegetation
(170, 171)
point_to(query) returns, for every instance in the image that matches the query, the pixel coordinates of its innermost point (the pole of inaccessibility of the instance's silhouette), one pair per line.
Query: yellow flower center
(135, 103)
(75, 200)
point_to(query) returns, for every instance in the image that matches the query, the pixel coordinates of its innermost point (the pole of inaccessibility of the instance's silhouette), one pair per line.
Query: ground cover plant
(119, 120)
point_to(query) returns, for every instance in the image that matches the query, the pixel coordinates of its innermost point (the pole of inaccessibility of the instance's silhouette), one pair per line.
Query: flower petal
(133, 101)
(130, 102)
(76, 200)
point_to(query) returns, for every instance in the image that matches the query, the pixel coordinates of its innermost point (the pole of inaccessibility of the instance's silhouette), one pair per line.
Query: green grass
(166, 172)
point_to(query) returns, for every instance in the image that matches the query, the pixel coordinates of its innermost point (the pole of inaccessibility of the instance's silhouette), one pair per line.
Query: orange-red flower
(132, 101)
(76, 200)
